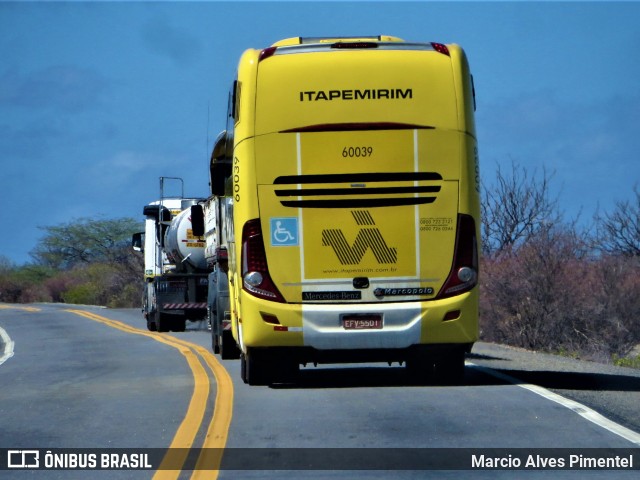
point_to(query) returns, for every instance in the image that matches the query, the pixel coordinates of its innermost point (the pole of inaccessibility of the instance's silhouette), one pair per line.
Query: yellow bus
(355, 206)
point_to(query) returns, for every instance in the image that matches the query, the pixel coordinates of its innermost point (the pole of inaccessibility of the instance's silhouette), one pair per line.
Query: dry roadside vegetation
(86, 261)
(550, 286)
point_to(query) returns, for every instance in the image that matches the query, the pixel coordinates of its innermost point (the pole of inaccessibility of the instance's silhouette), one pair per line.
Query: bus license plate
(365, 321)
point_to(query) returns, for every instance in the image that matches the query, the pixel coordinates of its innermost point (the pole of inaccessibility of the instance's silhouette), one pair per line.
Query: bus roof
(313, 40)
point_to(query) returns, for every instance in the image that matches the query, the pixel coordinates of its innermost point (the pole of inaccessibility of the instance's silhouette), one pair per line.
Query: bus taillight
(441, 48)
(255, 272)
(464, 272)
(266, 53)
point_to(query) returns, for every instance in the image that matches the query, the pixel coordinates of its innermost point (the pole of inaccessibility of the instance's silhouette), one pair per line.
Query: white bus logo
(23, 459)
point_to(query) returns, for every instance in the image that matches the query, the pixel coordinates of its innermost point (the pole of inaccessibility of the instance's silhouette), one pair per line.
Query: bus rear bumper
(322, 327)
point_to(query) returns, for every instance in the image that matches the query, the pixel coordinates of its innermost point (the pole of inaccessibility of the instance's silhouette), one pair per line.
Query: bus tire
(243, 368)
(449, 368)
(420, 367)
(257, 367)
(264, 366)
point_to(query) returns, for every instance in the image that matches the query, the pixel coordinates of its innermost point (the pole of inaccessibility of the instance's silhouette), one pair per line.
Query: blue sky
(100, 99)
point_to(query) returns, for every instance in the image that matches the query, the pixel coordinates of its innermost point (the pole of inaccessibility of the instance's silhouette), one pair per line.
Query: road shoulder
(609, 390)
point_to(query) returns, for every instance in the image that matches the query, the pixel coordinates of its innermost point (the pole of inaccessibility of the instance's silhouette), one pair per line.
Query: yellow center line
(218, 428)
(26, 309)
(208, 463)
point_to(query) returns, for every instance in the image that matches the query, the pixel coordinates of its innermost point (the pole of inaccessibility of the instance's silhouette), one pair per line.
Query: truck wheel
(215, 341)
(152, 321)
(152, 318)
(179, 324)
(163, 323)
(228, 347)
(226, 343)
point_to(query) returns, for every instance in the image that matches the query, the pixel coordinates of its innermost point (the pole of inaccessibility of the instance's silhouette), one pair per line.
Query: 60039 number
(357, 152)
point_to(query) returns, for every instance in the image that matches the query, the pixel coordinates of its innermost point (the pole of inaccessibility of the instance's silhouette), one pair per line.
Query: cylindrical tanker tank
(181, 246)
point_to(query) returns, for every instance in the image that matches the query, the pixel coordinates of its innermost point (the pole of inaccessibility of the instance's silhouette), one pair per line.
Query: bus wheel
(256, 367)
(420, 368)
(243, 368)
(449, 368)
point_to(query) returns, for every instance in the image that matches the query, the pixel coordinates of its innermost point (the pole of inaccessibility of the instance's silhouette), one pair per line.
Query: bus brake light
(464, 272)
(266, 53)
(441, 48)
(255, 273)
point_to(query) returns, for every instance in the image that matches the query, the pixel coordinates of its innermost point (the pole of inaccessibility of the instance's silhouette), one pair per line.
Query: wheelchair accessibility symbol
(284, 232)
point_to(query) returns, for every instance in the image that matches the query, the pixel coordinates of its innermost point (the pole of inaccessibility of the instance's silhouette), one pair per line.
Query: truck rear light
(255, 272)
(441, 47)
(221, 254)
(464, 272)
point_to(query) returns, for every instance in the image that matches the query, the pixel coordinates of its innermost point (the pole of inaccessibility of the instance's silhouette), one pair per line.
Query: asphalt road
(84, 377)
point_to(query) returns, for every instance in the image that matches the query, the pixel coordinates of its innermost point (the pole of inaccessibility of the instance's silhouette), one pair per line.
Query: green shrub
(83, 294)
(631, 362)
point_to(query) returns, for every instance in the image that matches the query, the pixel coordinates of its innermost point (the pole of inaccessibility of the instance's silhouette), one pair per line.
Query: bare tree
(516, 208)
(618, 232)
(85, 241)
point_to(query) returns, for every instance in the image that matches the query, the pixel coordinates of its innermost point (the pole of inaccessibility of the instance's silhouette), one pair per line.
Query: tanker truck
(175, 270)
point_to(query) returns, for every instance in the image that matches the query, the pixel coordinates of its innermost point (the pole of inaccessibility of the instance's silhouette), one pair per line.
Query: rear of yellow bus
(356, 208)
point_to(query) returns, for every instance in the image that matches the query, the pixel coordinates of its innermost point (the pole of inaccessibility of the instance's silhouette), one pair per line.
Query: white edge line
(580, 409)
(8, 346)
